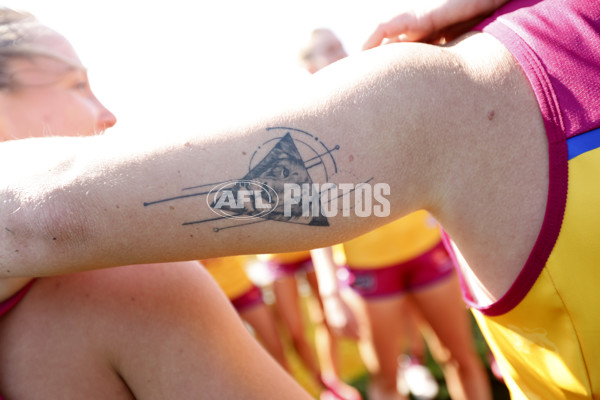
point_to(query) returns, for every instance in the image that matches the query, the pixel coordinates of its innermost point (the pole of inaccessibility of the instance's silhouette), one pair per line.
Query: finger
(394, 39)
(376, 38)
(402, 28)
(395, 28)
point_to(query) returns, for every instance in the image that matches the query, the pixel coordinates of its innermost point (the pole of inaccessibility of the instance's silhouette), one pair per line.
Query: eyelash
(81, 85)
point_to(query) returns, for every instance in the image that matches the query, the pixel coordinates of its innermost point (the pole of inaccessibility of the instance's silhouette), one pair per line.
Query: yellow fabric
(230, 274)
(549, 338)
(394, 243)
(339, 257)
(285, 258)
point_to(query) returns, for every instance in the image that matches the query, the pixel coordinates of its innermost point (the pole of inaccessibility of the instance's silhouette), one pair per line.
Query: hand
(339, 317)
(432, 20)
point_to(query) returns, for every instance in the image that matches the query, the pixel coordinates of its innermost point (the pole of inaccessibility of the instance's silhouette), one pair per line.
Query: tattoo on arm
(288, 180)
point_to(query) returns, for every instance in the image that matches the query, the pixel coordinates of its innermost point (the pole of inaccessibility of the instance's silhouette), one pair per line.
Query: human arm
(338, 315)
(401, 114)
(93, 202)
(428, 20)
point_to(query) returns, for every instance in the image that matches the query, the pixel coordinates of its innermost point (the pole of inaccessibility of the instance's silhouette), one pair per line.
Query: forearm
(325, 269)
(102, 209)
(457, 11)
(112, 200)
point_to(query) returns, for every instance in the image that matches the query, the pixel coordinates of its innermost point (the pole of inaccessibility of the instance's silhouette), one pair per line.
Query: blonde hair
(18, 33)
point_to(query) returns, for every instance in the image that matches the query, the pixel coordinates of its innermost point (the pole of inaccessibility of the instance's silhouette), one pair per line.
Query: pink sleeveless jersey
(11, 302)
(557, 43)
(544, 331)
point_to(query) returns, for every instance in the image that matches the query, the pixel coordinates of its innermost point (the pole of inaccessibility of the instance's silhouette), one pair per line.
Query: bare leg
(327, 346)
(414, 320)
(442, 307)
(145, 332)
(381, 330)
(288, 304)
(262, 321)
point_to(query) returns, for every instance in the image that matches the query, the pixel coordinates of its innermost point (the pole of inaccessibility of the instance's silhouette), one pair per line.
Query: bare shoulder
(117, 325)
(464, 138)
(493, 200)
(134, 332)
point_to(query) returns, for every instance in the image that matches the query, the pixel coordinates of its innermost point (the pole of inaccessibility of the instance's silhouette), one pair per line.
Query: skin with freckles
(142, 332)
(380, 109)
(385, 323)
(48, 93)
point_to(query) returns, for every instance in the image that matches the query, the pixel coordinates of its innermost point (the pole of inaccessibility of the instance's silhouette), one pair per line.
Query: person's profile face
(49, 94)
(327, 49)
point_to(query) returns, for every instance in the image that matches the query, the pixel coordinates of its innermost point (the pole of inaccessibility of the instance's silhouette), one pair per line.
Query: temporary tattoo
(288, 180)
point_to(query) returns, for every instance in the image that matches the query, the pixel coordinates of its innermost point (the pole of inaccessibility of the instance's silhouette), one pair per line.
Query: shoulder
(492, 201)
(123, 291)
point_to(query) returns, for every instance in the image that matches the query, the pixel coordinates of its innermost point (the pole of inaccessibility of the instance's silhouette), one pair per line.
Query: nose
(106, 119)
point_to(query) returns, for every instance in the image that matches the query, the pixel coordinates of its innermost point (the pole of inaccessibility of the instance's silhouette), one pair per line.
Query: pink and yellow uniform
(286, 264)
(10, 303)
(545, 331)
(401, 256)
(230, 275)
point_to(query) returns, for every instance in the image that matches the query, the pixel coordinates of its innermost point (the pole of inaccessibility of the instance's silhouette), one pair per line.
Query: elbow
(41, 233)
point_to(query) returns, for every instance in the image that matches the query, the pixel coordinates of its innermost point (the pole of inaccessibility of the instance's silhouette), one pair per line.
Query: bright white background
(163, 65)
